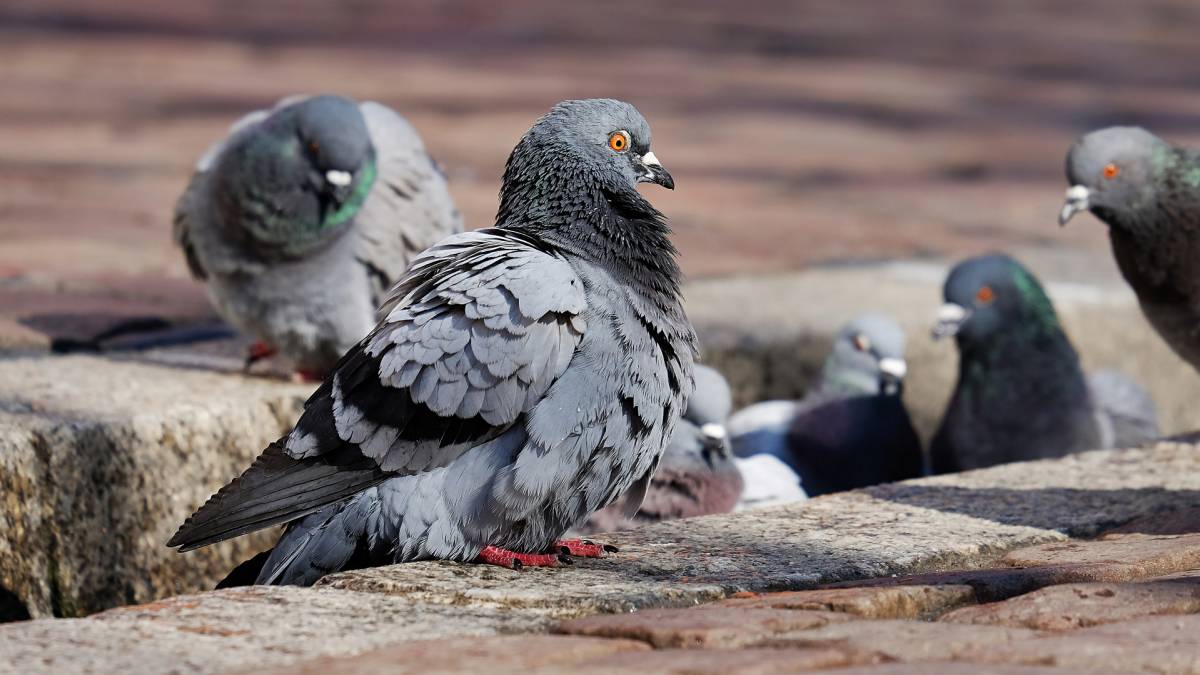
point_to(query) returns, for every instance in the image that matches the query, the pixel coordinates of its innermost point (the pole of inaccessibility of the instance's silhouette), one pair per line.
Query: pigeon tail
(277, 489)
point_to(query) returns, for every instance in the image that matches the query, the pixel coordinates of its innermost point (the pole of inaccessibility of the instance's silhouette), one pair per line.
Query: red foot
(583, 548)
(258, 351)
(493, 555)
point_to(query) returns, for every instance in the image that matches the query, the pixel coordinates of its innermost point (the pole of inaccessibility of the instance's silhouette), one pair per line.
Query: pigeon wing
(472, 338)
(409, 208)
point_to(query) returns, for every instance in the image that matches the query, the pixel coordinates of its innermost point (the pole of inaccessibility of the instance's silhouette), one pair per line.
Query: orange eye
(314, 147)
(619, 141)
(862, 343)
(985, 295)
(1111, 171)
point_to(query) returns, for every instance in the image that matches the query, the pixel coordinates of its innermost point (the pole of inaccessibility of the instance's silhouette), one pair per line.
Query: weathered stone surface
(879, 602)
(1131, 556)
(523, 653)
(896, 640)
(1071, 606)
(1172, 628)
(1183, 521)
(996, 583)
(100, 461)
(716, 661)
(240, 628)
(958, 668)
(706, 627)
(1085, 654)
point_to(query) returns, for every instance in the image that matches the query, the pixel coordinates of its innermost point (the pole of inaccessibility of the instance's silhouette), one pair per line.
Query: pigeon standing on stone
(852, 430)
(1021, 393)
(1148, 192)
(304, 216)
(697, 475)
(521, 378)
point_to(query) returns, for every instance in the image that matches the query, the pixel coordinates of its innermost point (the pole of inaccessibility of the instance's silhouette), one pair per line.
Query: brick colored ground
(799, 132)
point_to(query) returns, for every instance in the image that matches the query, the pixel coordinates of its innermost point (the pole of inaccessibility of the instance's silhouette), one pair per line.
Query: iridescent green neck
(354, 202)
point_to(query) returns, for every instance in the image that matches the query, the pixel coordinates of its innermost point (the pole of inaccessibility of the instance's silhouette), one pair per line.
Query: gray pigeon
(522, 377)
(1148, 192)
(852, 430)
(304, 216)
(1021, 393)
(697, 475)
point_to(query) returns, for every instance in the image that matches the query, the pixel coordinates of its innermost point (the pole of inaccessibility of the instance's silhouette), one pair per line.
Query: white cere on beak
(650, 160)
(897, 368)
(714, 431)
(949, 318)
(1076, 201)
(338, 178)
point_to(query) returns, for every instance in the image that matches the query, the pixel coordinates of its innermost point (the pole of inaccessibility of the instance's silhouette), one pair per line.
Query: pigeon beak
(714, 442)
(338, 179)
(893, 368)
(714, 431)
(1077, 200)
(949, 319)
(653, 172)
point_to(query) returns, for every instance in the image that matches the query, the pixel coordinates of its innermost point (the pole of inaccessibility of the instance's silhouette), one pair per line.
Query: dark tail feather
(245, 573)
(277, 489)
(330, 540)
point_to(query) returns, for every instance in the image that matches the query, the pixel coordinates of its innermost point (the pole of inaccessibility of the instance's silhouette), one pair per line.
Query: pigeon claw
(583, 548)
(494, 555)
(259, 351)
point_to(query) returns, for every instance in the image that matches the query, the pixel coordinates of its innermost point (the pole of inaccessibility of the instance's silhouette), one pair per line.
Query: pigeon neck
(616, 229)
(1040, 363)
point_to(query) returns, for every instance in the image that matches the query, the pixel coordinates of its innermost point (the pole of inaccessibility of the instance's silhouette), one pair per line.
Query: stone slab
(964, 669)
(1070, 606)
(1171, 628)
(711, 627)
(99, 462)
(1136, 555)
(1086, 654)
(517, 653)
(234, 629)
(900, 640)
(877, 602)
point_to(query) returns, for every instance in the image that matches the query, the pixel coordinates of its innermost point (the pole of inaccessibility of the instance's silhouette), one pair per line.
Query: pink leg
(494, 555)
(258, 351)
(584, 548)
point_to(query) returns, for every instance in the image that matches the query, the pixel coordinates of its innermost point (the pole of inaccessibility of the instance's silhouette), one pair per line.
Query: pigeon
(1021, 392)
(697, 475)
(522, 377)
(302, 219)
(852, 430)
(1148, 192)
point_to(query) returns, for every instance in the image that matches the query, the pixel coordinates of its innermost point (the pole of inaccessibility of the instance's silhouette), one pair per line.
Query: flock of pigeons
(485, 393)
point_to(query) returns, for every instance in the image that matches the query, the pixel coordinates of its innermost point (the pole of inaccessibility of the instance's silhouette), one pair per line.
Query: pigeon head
(293, 179)
(1112, 173)
(993, 296)
(711, 400)
(867, 357)
(601, 146)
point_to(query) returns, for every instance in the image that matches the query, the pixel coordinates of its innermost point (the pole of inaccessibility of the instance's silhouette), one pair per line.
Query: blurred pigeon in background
(697, 475)
(1021, 393)
(1148, 192)
(523, 377)
(304, 216)
(852, 430)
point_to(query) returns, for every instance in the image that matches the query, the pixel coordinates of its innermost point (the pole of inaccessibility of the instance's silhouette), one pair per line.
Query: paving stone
(101, 460)
(1131, 556)
(963, 669)
(1172, 628)
(994, 583)
(1086, 654)
(235, 629)
(899, 640)
(1070, 606)
(716, 661)
(518, 653)
(1183, 521)
(710, 627)
(883, 602)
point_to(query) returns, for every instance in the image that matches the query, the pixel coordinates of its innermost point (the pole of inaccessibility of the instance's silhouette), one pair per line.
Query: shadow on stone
(11, 607)
(1048, 508)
